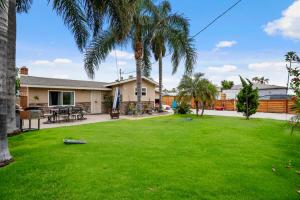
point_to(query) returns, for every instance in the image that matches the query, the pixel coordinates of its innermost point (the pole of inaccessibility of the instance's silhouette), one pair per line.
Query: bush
(247, 99)
(182, 108)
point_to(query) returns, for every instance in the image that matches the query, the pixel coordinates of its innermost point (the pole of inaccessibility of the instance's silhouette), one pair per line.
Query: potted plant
(130, 109)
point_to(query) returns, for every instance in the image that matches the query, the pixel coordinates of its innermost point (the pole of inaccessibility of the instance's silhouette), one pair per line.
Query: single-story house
(264, 90)
(52, 92)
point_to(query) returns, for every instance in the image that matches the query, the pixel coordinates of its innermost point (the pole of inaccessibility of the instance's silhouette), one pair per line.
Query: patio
(89, 120)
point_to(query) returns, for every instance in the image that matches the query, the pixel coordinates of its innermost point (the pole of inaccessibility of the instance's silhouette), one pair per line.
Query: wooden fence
(268, 106)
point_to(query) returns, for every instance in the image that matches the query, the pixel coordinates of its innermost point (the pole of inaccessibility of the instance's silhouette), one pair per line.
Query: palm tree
(140, 27)
(171, 30)
(208, 93)
(198, 89)
(260, 80)
(5, 156)
(290, 57)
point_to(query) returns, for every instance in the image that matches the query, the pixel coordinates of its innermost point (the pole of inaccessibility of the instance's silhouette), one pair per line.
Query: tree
(247, 99)
(260, 80)
(208, 93)
(227, 85)
(140, 27)
(172, 31)
(5, 156)
(290, 57)
(294, 72)
(198, 89)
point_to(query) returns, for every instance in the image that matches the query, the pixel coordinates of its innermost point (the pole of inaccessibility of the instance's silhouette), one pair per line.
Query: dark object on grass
(69, 141)
(188, 119)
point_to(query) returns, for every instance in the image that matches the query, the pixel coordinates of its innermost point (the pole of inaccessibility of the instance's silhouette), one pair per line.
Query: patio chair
(64, 114)
(75, 113)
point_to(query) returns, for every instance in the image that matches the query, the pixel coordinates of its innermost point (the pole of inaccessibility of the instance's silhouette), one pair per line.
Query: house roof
(42, 82)
(260, 87)
(129, 80)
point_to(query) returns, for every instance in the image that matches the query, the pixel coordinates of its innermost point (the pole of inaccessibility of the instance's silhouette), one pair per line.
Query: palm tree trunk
(139, 60)
(202, 110)
(197, 107)
(160, 81)
(288, 80)
(5, 156)
(11, 65)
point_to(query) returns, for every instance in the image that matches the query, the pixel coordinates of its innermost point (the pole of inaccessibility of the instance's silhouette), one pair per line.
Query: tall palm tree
(5, 156)
(198, 89)
(140, 27)
(171, 31)
(290, 57)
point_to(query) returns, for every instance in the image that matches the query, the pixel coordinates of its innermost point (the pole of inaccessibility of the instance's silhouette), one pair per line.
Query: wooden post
(39, 123)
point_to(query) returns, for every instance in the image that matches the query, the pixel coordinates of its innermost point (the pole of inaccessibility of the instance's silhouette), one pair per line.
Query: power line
(212, 22)
(217, 18)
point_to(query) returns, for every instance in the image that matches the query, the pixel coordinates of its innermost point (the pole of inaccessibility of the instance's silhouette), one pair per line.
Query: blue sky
(250, 40)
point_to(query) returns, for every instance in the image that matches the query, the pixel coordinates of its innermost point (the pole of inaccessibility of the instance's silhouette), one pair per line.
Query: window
(144, 91)
(61, 98)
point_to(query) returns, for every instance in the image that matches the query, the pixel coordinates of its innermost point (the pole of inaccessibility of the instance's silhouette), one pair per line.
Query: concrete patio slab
(276, 116)
(89, 120)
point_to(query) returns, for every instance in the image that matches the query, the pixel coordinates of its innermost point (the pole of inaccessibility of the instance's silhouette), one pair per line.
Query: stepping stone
(69, 141)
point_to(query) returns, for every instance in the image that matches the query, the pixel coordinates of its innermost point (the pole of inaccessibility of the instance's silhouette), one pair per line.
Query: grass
(159, 158)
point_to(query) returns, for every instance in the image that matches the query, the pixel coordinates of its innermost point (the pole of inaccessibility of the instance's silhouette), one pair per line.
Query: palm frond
(23, 5)
(3, 5)
(97, 51)
(74, 18)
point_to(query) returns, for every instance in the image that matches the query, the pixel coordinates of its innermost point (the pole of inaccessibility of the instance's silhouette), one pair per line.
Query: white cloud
(62, 61)
(225, 44)
(289, 23)
(223, 69)
(122, 54)
(42, 62)
(55, 62)
(267, 66)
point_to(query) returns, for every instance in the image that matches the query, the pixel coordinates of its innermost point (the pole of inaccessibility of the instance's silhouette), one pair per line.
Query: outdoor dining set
(58, 114)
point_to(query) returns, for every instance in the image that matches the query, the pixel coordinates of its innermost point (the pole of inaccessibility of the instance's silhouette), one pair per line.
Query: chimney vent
(24, 70)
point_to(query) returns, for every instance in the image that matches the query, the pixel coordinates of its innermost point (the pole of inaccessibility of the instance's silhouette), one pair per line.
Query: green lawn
(159, 158)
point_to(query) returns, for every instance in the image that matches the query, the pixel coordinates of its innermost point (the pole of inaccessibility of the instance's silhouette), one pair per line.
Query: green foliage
(136, 25)
(131, 108)
(183, 108)
(226, 85)
(247, 99)
(108, 102)
(260, 80)
(198, 89)
(294, 72)
(291, 56)
(171, 33)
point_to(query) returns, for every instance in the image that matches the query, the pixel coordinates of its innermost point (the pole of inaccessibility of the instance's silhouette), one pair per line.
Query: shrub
(247, 99)
(182, 108)
(108, 102)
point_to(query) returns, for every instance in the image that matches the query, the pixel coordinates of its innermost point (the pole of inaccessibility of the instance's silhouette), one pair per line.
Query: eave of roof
(130, 80)
(65, 87)
(43, 82)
